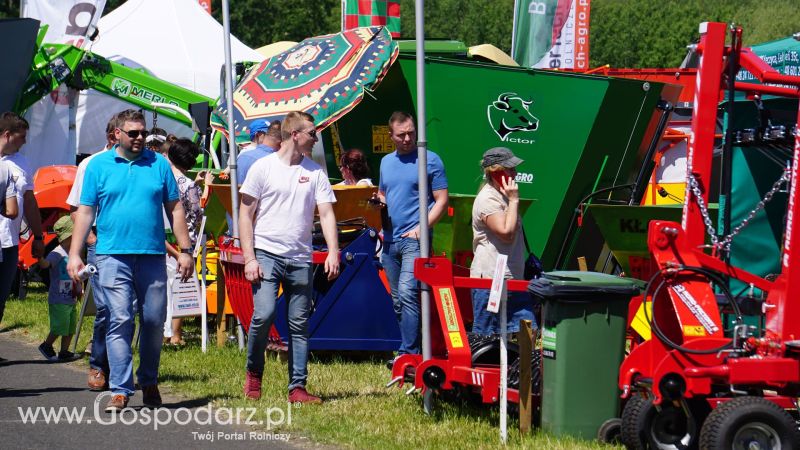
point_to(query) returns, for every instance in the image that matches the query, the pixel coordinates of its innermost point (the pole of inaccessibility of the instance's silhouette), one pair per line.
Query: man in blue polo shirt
(127, 187)
(267, 137)
(399, 190)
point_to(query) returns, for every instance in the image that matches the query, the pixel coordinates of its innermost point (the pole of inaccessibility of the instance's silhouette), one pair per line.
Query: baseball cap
(256, 126)
(63, 228)
(501, 156)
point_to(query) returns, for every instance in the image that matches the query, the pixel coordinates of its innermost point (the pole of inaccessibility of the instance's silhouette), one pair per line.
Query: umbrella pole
(226, 22)
(422, 165)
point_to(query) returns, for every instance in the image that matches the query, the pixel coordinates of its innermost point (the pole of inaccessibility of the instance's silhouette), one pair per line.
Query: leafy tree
(624, 33)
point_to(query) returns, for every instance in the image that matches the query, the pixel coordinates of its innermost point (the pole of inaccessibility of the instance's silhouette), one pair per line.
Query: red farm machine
(692, 384)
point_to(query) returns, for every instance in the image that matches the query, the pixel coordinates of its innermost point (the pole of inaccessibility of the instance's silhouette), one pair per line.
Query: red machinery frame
(687, 306)
(451, 363)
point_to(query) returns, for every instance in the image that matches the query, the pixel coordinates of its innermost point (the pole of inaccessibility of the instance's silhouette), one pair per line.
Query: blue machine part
(354, 311)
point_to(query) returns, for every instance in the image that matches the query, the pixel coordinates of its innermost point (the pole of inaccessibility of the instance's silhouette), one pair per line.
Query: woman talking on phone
(497, 229)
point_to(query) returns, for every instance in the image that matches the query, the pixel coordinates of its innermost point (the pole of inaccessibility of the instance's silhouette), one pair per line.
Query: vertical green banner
(533, 30)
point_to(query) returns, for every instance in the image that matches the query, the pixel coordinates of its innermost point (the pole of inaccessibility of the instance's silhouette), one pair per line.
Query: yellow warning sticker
(449, 311)
(381, 142)
(694, 330)
(455, 340)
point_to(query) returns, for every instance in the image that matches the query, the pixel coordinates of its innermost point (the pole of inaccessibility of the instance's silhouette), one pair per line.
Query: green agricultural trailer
(577, 133)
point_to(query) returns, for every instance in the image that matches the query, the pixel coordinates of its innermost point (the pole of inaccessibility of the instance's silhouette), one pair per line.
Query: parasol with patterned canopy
(325, 76)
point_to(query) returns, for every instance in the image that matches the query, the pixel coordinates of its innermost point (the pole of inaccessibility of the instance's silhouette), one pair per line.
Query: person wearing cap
(61, 295)
(398, 190)
(158, 141)
(497, 229)
(267, 137)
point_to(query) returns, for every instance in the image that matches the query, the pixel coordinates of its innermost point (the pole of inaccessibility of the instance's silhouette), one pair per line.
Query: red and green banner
(370, 13)
(551, 34)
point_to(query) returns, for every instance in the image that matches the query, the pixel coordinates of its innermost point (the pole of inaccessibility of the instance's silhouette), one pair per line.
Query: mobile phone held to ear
(498, 177)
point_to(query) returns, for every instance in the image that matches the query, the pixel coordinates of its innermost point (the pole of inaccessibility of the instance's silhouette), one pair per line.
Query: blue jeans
(295, 277)
(398, 262)
(125, 279)
(8, 269)
(519, 307)
(99, 358)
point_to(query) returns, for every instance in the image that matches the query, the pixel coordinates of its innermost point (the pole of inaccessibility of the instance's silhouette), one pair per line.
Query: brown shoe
(150, 396)
(252, 385)
(117, 403)
(300, 395)
(97, 380)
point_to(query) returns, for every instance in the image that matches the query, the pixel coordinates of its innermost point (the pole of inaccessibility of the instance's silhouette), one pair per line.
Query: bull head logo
(510, 113)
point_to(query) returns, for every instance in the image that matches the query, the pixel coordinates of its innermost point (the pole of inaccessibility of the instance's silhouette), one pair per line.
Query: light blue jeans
(99, 358)
(519, 306)
(398, 262)
(296, 279)
(124, 279)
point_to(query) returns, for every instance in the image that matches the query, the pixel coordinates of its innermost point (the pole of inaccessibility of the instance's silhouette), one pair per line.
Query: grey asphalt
(28, 382)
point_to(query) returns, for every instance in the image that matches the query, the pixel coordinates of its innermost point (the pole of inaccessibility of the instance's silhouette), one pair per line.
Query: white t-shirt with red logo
(287, 196)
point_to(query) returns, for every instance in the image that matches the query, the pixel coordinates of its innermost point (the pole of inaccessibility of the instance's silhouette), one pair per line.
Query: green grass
(358, 411)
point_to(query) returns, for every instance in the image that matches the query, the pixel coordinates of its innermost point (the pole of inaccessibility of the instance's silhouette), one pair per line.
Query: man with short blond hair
(275, 222)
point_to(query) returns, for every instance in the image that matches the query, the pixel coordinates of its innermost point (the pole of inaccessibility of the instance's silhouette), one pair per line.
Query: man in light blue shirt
(267, 137)
(127, 187)
(399, 191)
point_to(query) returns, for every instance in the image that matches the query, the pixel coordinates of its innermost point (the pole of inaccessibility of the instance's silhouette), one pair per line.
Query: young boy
(62, 295)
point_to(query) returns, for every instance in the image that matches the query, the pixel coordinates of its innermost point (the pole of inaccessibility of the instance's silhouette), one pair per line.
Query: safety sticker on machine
(450, 317)
(549, 342)
(698, 312)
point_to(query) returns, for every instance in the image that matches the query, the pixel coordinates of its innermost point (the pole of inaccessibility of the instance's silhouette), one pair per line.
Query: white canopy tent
(176, 41)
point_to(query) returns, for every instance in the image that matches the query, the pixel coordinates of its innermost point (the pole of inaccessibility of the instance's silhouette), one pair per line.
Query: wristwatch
(186, 251)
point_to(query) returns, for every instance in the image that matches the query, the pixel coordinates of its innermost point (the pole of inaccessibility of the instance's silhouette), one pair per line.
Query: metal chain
(785, 177)
(725, 244)
(698, 195)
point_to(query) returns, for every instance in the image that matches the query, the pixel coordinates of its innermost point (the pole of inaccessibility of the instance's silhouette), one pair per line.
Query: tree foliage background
(624, 33)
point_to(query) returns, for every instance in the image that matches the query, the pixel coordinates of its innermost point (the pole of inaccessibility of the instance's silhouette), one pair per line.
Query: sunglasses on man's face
(133, 134)
(311, 133)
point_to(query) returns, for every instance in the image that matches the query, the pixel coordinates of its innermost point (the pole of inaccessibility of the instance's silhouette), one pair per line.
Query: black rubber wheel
(610, 431)
(645, 427)
(536, 373)
(486, 349)
(749, 423)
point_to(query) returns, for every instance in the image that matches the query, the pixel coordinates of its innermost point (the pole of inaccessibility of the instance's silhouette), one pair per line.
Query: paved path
(28, 382)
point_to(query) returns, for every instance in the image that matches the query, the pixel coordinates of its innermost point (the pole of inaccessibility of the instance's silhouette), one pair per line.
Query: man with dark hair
(98, 358)
(267, 137)
(399, 191)
(13, 132)
(275, 222)
(130, 253)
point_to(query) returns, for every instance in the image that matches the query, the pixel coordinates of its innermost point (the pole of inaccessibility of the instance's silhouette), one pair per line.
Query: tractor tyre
(610, 431)
(646, 427)
(749, 422)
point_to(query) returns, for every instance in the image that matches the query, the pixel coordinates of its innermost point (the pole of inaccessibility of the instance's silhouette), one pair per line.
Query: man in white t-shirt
(13, 131)
(275, 223)
(98, 359)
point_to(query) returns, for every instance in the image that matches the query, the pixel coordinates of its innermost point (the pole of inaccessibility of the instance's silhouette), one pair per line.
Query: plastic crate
(239, 291)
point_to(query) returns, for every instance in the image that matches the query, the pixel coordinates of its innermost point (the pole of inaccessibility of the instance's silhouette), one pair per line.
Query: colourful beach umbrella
(325, 76)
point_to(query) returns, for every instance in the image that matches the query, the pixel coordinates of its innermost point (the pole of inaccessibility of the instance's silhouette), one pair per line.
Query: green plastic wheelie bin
(583, 341)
